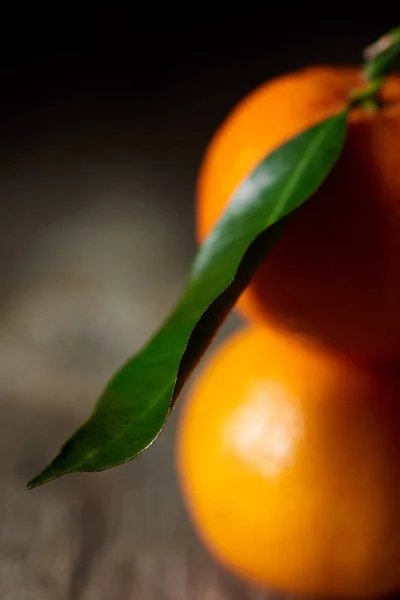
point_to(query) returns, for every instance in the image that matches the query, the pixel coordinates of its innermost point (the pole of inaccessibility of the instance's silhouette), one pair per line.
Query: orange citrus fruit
(335, 273)
(289, 463)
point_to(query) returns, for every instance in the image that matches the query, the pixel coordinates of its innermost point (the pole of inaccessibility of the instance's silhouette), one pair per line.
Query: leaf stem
(381, 57)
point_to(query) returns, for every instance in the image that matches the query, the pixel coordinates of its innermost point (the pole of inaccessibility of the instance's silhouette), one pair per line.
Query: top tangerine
(335, 273)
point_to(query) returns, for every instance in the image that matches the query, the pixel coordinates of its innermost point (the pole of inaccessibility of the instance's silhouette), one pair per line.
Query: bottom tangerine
(289, 463)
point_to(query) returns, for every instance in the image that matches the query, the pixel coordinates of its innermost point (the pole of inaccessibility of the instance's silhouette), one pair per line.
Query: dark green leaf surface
(134, 406)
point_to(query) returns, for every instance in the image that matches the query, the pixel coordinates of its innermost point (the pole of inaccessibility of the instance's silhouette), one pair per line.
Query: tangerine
(288, 458)
(334, 275)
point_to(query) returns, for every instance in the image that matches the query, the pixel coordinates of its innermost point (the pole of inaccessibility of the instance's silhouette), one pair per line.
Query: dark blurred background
(104, 118)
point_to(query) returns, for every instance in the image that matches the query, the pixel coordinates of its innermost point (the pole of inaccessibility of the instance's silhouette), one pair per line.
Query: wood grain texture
(122, 534)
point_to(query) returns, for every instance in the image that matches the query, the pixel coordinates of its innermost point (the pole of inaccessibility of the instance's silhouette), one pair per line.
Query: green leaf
(383, 55)
(135, 405)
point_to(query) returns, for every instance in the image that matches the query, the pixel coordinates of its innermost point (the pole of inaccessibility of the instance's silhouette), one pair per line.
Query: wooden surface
(94, 250)
(121, 534)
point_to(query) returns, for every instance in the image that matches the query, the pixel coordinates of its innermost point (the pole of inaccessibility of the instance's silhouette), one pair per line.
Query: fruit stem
(380, 58)
(367, 97)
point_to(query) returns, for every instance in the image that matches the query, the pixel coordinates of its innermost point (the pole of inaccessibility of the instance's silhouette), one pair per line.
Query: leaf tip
(52, 471)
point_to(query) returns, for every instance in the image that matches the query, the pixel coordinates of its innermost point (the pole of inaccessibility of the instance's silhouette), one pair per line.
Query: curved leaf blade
(134, 406)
